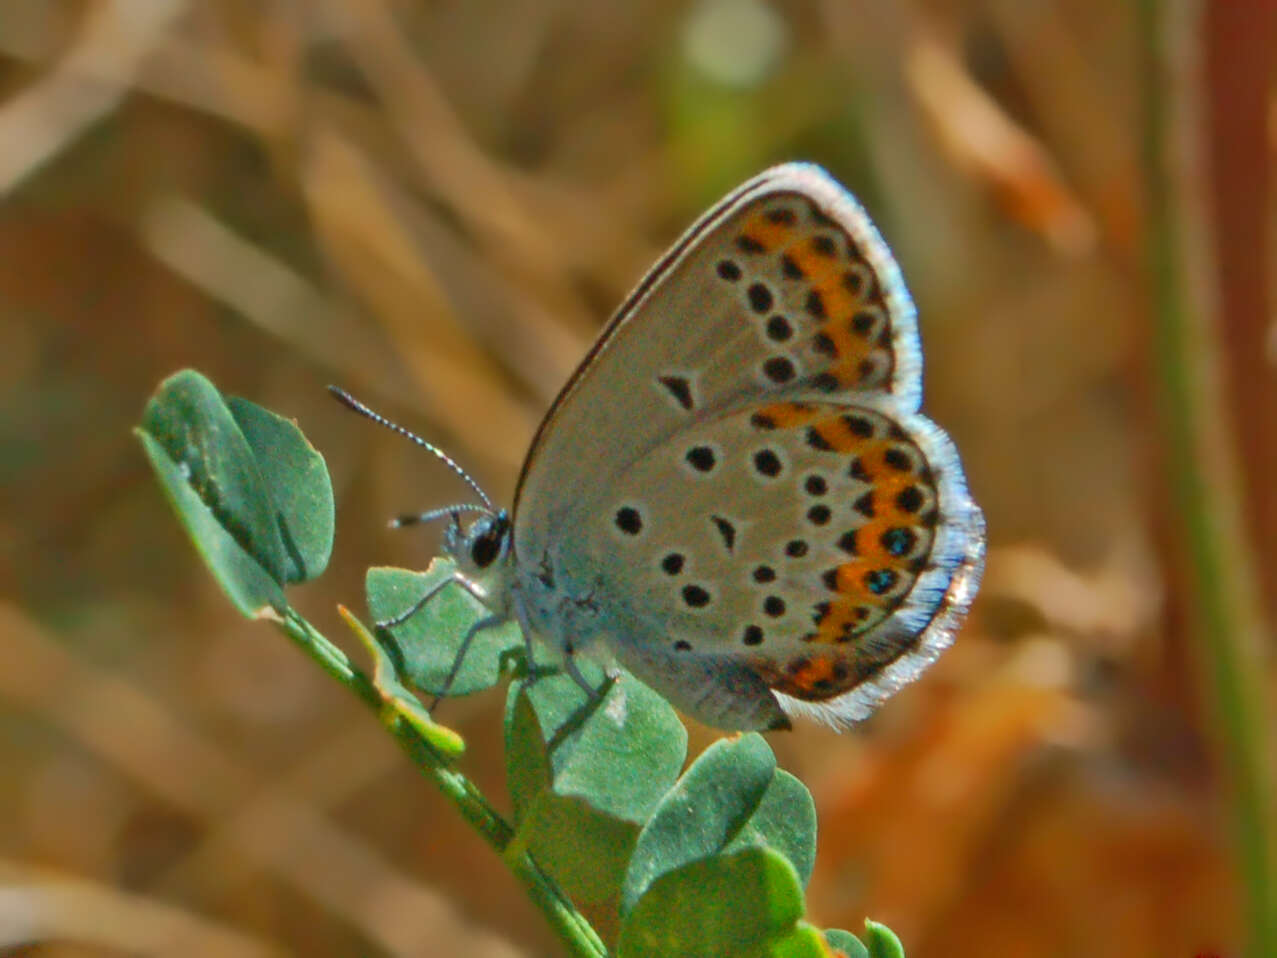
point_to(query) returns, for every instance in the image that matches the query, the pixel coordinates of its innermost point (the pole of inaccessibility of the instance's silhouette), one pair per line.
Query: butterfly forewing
(785, 286)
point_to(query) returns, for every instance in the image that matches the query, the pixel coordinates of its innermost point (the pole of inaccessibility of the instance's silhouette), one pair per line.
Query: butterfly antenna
(350, 402)
(413, 519)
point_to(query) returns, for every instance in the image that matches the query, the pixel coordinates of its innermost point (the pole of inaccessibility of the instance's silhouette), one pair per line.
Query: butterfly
(735, 496)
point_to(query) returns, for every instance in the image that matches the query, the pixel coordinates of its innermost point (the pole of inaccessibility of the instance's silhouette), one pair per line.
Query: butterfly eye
(487, 547)
(485, 550)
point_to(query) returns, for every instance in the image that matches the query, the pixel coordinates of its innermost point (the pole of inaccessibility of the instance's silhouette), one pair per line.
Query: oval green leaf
(882, 941)
(426, 645)
(703, 813)
(847, 943)
(619, 754)
(786, 821)
(583, 849)
(296, 478)
(584, 774)
(527, 761)
(210, 475)
(741, 903)
(805, 941)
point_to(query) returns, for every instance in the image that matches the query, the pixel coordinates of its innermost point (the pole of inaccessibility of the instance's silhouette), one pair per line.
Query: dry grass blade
(256, 285)
(364, 235)
(453, 166)
(980, 138)
(272, 828)
(38, 908)
(50, 115)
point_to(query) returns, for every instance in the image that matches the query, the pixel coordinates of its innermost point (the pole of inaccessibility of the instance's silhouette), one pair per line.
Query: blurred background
(436, 205)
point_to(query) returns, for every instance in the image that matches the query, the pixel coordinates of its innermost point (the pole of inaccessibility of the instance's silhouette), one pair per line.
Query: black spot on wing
(696, 596)
(701, 458)
(779, 369)
(819, 515)
(909, 499)
(727, 529)
(778, 329)
(760, 298)
(898, 459)
(767, 463)
(629, 520)
(728, 270)
(679, 388)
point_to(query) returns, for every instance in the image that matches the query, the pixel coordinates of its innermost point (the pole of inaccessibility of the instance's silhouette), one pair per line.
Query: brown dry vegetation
(436, 204)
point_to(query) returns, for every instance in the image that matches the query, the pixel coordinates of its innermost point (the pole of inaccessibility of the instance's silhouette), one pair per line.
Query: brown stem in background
(1204, 468)
(1240, 41)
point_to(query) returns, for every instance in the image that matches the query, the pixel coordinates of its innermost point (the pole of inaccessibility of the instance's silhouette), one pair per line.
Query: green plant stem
(568, 923)
(1202, 461)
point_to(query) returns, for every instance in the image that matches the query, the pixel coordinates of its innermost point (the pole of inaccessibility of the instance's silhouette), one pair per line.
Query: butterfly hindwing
(815, 543)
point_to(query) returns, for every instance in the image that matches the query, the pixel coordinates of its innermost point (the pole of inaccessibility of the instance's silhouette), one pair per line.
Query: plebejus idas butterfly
(735, 497)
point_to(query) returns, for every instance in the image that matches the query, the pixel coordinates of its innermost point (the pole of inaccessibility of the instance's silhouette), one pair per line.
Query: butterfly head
(482, 548)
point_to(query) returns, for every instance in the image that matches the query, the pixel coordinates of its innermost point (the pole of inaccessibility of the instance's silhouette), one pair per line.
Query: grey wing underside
(783, 293)
(689, 341)
(823, 559)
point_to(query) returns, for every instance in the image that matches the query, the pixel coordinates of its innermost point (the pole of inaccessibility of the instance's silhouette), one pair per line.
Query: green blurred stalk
(1201, 454)
(573, 930)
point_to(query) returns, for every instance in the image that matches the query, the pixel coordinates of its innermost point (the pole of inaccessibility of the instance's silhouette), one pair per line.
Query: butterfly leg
(416, 607)
(525, 626)
(569, 659)
(570, 666)
(486, 622)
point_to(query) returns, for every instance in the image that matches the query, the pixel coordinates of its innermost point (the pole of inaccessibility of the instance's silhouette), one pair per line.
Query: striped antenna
(350, 402)
(443, 512)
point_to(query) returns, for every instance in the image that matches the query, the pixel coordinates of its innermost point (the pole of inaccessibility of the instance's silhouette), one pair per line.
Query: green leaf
(398, 699)
(882, 941)
(846, 942)
(585, 850)
(805, 941)
(584, 774)
(297, 479)
(426, 645)
(743, 903)
(620, 754)
(703, 813)
(211, 476)
(528, 769)
(786, 821)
